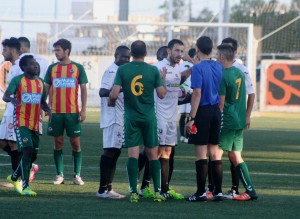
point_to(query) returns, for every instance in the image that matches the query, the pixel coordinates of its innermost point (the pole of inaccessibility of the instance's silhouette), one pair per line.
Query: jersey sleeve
(248, 83)
(196, 77)
(108, 79)
(13, 85)
(47, 78)
(82, 76)
(158, 79)
(222, 90)
(118, 78)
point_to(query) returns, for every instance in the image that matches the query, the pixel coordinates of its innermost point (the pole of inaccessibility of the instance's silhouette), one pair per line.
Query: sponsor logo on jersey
(25, 140)
(64, 82)
(31, 98)
(78, 131)
(71, 71)
(10, 126)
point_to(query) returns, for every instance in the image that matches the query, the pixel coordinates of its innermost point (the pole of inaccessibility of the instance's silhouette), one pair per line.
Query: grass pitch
(271, 150)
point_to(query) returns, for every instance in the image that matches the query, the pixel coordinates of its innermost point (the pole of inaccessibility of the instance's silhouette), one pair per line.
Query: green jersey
(138, 81)
(234, 89)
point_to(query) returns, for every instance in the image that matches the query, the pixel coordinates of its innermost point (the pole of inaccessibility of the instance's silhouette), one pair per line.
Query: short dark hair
(64, 44)
(12, 43)
(173, 42)
(192, 52)
(234, 42)
(162, 53)
(24, 61)
(138, 49)
(120, 48)
(227, 51)
(205, 45)
(25, 41)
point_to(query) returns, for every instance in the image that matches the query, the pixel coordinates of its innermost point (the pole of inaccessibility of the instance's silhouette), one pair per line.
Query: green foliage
(178, 9)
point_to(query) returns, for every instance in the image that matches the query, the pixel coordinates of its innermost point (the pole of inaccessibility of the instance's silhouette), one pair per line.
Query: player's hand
(111, 103)
(188, 126)
(248, 120)
(82, 115)
(163, 73)
(15, 102)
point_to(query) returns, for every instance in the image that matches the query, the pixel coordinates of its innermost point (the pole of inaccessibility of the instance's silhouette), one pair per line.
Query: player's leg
(182, 121)
(56, 129)
(171, 164)
(73, 130)
(149, 133)
(242, 168)
(112, 143)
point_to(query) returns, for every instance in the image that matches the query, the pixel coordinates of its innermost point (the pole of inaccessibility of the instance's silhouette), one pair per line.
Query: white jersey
(14, 71)
(166, 108)
(184, 66)
(248, 81)
(44, 64)
(111, 115)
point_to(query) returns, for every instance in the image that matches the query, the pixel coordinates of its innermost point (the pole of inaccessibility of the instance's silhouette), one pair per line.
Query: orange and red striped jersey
(64, 81)
(29, 92)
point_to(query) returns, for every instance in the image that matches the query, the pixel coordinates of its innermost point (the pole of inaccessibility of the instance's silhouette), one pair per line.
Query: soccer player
(166, 112)
(112, 122)
(234, 191)
(63, 79)
(206, 116)
(185, 108)
(138, 80)
(10, 52)
(30, 97)
(42, 66)
(233, 103)
(145, 191)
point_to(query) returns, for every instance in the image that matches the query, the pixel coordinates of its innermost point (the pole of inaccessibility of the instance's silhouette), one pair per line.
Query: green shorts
(139, 133)
(231, 140)
(61, 121)
(27, 138)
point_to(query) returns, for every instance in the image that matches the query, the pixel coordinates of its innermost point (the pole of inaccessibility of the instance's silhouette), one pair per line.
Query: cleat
(159, 197)
(28, 192)
(17, 185)
(134, 198)
(246, 197)
(196, 198)
(33, 172)
(175, 195)
(110, 195)
(209, 195)
(231, 194)
(166, 195)
(146, 193)
(78, 181)
(58, 180)
(217, 198)
(182, 138)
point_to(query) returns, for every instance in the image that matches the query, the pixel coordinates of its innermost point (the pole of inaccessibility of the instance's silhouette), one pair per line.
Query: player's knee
(112, 152)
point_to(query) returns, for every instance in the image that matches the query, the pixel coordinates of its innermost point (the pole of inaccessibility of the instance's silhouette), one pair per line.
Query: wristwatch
(191, 118)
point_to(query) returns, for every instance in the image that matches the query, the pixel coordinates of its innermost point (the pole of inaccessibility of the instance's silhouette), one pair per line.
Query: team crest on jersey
(10, 126)
(25, 140)
(71, 71)
(50, 129)
(160, 131)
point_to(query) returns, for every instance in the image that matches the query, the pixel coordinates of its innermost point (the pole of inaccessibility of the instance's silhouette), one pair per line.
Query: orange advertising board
(4, 69)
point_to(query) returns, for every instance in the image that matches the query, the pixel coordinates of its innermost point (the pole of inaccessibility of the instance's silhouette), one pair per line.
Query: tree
(204, 16)
(178, 9)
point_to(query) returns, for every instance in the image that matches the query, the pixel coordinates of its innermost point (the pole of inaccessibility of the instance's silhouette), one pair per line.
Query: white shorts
(113, 136)
(185, 108)
(7, 131)
(167, 133)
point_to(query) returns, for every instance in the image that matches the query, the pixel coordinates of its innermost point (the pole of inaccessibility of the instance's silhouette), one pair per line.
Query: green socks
(132, 172)
(59, 162)
(77, 161)
(154, 166)
(243, 172)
